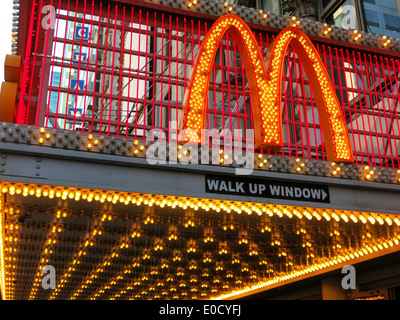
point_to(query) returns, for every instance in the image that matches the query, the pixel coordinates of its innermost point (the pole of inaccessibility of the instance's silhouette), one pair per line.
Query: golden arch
(265, 87)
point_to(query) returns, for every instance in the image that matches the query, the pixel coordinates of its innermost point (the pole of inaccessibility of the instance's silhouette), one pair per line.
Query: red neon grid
(122, 70)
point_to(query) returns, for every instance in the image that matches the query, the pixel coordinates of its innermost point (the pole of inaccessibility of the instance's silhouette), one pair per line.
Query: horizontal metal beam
(61, 167)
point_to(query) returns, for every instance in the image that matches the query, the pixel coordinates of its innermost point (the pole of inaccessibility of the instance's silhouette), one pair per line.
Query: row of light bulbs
(372, 248)
(323, 29)
(89, 241)
(107, 260)
(89, 279)
(136, 148)
(162, 201)
(47, 252)
(192, 246)
(340, 259)
(15, 27)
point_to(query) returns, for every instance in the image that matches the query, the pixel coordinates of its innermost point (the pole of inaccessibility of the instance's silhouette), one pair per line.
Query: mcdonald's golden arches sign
(265, 85)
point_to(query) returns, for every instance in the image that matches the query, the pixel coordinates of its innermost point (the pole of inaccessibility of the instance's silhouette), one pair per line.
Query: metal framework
(127, 72)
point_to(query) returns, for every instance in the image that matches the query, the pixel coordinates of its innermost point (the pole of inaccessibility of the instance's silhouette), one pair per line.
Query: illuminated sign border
(265, 87)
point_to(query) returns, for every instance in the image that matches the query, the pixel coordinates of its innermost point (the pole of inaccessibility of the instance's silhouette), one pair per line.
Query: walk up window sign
(268, 189)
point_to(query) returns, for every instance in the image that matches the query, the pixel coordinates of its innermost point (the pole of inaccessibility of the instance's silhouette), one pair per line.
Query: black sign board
(267, 189)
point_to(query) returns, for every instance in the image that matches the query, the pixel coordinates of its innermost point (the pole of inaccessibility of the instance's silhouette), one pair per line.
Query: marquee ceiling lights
(265, 85)
(172, 250)
(149, 200)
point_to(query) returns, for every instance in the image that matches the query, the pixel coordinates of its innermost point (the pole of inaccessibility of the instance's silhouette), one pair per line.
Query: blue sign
(79, 57)
(71, 112)
(74, 84)
(82, 33)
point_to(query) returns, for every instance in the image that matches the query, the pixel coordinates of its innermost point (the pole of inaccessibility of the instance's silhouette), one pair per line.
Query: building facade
(176, 149)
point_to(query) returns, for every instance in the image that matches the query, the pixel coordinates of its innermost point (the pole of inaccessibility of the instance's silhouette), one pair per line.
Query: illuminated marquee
(265, 87)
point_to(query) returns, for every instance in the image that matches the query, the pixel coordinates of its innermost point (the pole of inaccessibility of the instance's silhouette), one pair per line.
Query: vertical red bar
(361, 108)
(169, 75)
(215, 105)
(128, 108)
(192, 48)
(363, 65)
(22, 109)
(79, 65)
(145, 78)
(104, 71)
(177, 82)
(121, 69)
(253, 148)
(237, 96)
(95, 72)
(377, 105)
(320, 128)
(229, 90)
(348, 105)
(153, 111)
(87, 68)
(244, 104)
(112, 70)
(162, 74)
(290, 65)
(137, 73)
(370, 92)
(206, 136)
(39, 102)
(262, 50)
(52, 69)
(33, 66)
(184, 55)
(285, 81)
(354, 104)
(388, 144)
(70, 64)
(222, 88)
(305, 106)
(295, 63)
